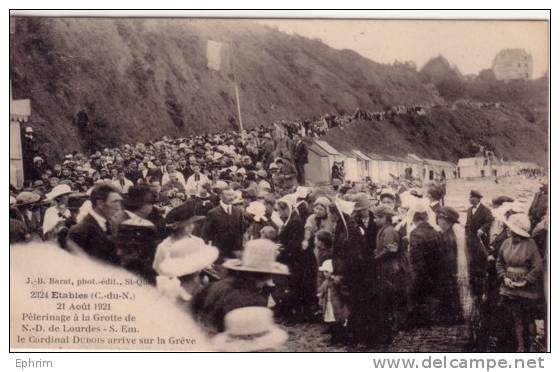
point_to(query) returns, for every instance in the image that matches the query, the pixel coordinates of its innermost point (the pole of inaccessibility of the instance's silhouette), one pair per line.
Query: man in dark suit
(479, 219)
(132, 173)
(224, 226)
(93, 234)
(300, 158)
(369, 292)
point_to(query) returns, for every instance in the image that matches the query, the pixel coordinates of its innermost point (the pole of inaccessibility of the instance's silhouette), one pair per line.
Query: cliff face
(139, 79)
(450, 133)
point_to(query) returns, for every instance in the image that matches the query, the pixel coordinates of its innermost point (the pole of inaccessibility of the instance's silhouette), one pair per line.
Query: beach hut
(318, 167)
(321, 157)
(375, 167)
(20, 111)
(351, 170)
(364, 164)
(439, 169)
(476, 167)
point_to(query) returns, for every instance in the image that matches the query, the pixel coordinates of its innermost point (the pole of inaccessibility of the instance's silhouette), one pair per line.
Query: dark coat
(452, 309)
(436, 207)
(390, 264)
(301, 283)
(539, 207)
(200, 206)
(94, 241)
(370, 236)
(477, 253)
(304, 211)
(348, 248)
(300, 153)
(426, 260)
(224, 231)
(134, 175)
(482, 219)
(155, 174)
(290, 238)
(213, 303)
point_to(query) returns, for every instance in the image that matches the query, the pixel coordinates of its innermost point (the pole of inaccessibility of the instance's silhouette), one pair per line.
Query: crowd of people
(226, 225)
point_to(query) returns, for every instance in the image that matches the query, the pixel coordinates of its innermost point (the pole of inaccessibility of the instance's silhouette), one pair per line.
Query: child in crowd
(335, 313)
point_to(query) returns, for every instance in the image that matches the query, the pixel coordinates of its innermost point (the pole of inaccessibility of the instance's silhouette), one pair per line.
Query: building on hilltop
(512, 64)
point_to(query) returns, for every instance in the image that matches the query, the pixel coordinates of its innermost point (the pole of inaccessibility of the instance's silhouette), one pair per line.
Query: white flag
(214, 54)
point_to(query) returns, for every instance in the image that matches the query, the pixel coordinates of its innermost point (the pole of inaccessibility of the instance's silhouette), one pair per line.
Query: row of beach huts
(381, 168)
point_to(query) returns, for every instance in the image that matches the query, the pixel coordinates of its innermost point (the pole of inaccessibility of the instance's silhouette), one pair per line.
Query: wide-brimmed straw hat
(259, 256)
(59, 190)
(519, 224)
(191, 255)
(27, 197)
(249, 329)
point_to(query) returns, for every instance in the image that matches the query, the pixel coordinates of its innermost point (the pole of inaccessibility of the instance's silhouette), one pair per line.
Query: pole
(238, 105)
(236, 87)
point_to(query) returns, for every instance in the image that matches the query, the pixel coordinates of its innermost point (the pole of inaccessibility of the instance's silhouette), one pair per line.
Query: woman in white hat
(181, 222)
(249, 329)
(256, 211)
(58, 215)
(245, 285)
(519, 267)
(179, 269)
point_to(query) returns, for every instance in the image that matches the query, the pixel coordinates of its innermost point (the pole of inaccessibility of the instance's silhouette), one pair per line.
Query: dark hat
(476, 194)
(501, 200)
(138, 196)
(449, 214)
(435, 191)
(136, 239)
(383, 210)
(181, 216)
(361, 201)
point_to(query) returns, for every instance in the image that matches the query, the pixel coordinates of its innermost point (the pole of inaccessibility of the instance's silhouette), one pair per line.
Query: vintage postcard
(241, 185)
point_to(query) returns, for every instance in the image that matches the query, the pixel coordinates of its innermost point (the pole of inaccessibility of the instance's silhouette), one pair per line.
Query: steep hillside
(450, 134)
(140, 79)
(137, 80)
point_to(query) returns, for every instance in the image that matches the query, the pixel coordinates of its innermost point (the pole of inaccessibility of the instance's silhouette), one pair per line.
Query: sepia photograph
(240, 184)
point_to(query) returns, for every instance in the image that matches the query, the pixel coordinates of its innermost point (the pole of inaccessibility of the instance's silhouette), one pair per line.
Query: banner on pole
(214, 54)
